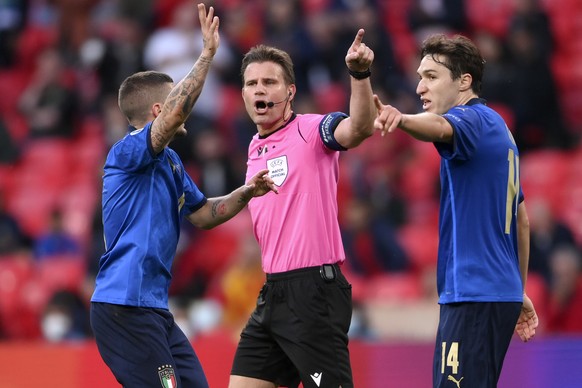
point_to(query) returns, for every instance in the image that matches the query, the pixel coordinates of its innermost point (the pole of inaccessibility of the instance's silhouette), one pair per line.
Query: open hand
(209, 26)
(261, 184)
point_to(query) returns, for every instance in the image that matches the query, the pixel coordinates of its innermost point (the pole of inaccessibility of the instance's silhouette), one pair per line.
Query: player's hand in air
(527, 321)
(209, 26)
(388, 118)
(260, 184)
(359, 57)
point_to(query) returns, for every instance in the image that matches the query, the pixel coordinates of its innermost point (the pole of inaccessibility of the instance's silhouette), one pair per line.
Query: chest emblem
(278, 169)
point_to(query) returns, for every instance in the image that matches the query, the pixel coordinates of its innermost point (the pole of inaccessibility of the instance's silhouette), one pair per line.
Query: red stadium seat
(421, 244)
(542, 172)
(12, 84)
(393, 287)
(61, 272)
(492, 16)
(16, 274)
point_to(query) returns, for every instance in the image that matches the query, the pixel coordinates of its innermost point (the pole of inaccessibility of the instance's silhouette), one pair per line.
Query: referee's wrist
(359, 75)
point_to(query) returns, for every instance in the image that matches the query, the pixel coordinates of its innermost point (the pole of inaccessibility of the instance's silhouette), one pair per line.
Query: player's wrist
(359, 75)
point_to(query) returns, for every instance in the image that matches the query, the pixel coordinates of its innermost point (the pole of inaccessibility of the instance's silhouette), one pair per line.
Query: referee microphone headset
(271, 104)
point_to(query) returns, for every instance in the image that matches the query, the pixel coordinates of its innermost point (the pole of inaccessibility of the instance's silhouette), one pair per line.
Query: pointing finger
(358, 39)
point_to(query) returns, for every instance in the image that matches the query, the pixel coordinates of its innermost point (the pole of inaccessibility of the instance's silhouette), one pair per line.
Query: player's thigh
(133, 342)
(472, 340)
(188, 366)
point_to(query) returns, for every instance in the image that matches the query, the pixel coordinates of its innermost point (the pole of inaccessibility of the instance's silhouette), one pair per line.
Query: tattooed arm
(182, 97)
(220, 209)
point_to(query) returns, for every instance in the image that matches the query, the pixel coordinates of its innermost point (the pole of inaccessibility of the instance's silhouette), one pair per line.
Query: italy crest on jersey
(278, 169)
(167, 376)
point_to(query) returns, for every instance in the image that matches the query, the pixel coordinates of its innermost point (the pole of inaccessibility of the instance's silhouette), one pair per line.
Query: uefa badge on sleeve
(167, 376)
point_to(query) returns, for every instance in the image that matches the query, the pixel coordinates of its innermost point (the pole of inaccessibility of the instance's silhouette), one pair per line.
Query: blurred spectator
(73, 26)
(12, 21)
(56, 241)
(565, 310)
(538, 118)
(547, 235)
(426, 17)
(171, 50)
(284, 29)
(324, 29)
(498, 78)
(49, 101)
(213, 161)
(96, 247)
(529, 15)
(9, 150)
(65, 317)
(387, 73)
(118, 53)
(240, 284)
(12, 237)
(242, 27)
(370, 241)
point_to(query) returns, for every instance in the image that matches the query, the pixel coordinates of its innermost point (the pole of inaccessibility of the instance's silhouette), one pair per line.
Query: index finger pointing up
(358, 39)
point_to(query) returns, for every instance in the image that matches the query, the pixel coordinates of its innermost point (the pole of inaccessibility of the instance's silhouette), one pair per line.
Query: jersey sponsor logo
(278, 169)
(458, 382)
(167, 376)
(317, 378)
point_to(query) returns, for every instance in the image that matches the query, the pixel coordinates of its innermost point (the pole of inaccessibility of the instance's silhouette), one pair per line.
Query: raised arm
(220, 209)
(360, 125)
(182, 97)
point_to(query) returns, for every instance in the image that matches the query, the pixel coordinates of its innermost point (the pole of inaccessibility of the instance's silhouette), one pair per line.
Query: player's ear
(156, 109)
(465, 82)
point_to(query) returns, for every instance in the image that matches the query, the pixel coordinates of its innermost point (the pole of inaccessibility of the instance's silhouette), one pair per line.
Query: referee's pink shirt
(298, 227)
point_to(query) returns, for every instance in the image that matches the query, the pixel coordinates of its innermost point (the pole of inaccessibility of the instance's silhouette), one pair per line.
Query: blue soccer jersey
(144, 199)
(480, 191)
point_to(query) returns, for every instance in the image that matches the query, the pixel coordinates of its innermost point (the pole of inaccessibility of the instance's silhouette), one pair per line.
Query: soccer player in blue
(483, 225)
(146, 193)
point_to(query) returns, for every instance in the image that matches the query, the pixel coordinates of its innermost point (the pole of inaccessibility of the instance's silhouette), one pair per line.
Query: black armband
(360, 74)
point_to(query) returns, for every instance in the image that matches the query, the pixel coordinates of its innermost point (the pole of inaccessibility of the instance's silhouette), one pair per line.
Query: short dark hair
(140, 91)
(460, 54)
(263, 53)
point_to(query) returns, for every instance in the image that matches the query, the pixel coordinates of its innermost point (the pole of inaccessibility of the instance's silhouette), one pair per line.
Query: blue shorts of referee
(144, 348)
(298, 331)
(472, 340)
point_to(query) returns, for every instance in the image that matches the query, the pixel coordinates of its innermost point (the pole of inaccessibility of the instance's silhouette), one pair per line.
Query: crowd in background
(62, 61)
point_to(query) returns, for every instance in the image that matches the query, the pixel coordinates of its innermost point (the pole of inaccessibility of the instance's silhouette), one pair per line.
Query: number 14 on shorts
(450, 359)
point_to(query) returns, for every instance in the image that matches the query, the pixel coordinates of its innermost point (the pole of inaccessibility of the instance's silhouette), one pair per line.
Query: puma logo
(458, 382)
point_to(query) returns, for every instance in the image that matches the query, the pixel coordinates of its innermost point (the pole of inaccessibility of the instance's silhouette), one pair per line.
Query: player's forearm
(184, 95)
(221, 209)
(427, 127)
(523, 242)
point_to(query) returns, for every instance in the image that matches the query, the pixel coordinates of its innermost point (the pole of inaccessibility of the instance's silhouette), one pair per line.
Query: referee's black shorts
(299, 330)
(472, 340)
